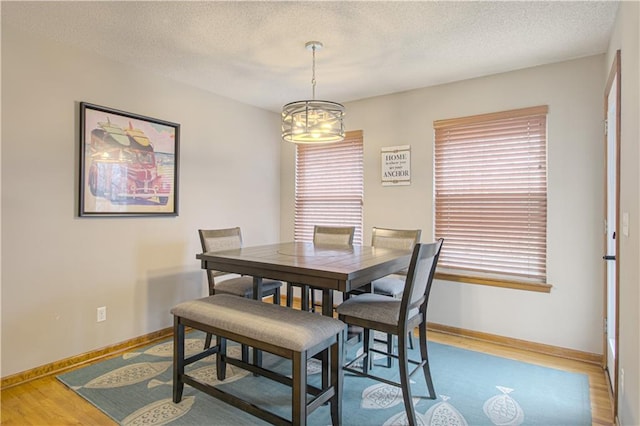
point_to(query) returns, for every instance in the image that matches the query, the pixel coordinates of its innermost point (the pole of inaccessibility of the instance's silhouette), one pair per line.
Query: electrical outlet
(101, 314)
(622, 381)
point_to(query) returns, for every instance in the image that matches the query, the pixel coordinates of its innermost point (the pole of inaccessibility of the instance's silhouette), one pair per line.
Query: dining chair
(403, 239)
(228, 239)
(393, 285)
(322, 235)
(376, 312)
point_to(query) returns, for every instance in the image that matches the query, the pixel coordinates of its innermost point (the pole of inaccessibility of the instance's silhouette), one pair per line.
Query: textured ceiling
(254, 51)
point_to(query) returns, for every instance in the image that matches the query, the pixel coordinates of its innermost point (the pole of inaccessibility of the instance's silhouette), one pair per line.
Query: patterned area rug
(473, 389)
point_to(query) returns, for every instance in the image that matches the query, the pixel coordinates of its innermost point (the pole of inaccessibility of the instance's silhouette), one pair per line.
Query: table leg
(327, 310)
(257, 293)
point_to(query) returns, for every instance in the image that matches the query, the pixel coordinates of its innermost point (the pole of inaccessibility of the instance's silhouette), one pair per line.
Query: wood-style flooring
(46, 401)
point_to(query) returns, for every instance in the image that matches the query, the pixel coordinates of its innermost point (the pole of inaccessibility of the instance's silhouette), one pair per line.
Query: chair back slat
(420, 276)
(333, 235)
(222, 243)
(220, 239)
(401, 239)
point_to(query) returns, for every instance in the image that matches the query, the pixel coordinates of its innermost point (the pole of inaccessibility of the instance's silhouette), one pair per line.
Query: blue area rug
(473, 389)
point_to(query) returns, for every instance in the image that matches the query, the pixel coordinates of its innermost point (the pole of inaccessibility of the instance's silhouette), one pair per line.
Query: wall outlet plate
(101, 314)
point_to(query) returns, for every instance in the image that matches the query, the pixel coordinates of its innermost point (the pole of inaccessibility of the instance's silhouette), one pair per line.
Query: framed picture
(128, 163)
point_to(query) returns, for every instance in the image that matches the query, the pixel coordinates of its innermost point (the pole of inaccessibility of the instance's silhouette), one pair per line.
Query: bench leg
(337, 380)
(178, 359)
(299, 388)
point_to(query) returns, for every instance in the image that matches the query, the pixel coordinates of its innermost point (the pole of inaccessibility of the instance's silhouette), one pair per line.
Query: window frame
(465, 133)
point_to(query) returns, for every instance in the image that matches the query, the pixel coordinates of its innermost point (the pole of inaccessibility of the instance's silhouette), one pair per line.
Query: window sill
(517, 285)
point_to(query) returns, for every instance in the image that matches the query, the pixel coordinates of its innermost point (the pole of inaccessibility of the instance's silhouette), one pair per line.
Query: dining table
(324, 267)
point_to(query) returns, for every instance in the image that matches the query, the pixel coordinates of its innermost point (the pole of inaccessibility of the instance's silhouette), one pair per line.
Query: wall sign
(396, 165)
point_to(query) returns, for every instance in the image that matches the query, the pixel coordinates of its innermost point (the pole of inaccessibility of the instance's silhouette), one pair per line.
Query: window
(491, 195)
(329, 186)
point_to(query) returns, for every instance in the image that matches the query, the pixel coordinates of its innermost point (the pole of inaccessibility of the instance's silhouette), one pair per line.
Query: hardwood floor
(45, 401)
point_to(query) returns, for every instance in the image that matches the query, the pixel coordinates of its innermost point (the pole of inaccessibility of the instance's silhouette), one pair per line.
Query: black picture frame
(129, 163)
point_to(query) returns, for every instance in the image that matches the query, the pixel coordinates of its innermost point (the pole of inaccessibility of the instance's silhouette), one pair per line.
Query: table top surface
(323, 266)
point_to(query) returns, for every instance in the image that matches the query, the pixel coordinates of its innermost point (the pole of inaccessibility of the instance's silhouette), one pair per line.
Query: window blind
(491, 194)
(329, 188)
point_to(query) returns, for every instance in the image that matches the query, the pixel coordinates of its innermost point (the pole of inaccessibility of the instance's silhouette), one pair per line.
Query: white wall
(626, 37)
(58, 268)
(571, 315)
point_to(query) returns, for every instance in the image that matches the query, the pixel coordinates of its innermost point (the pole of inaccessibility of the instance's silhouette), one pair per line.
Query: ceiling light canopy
(313, 121)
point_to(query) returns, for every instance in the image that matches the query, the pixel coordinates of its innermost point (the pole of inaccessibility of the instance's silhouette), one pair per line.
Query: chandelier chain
(313, 77)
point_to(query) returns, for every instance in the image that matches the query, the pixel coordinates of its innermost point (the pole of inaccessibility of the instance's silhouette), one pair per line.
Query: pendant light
(313, 121)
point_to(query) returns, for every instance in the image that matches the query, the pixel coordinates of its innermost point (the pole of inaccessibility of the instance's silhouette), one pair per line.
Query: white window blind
(491, 194)
(329, 186)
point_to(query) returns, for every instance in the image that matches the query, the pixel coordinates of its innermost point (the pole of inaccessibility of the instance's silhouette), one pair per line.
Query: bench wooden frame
(332, 359)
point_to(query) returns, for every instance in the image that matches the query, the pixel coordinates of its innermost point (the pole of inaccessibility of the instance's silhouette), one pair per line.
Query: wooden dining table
(324, 267)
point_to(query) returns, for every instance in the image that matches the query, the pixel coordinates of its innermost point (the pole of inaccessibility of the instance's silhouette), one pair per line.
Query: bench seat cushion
(277, 325)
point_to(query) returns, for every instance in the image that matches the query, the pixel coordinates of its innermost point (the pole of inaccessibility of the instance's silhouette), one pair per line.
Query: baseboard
(58, 367)
(560, 352)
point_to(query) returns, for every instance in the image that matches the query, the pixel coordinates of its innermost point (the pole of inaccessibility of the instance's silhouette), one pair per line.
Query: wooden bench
(286, 332)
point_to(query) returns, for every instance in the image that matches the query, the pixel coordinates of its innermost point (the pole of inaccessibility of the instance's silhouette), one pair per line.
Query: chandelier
(313, 121)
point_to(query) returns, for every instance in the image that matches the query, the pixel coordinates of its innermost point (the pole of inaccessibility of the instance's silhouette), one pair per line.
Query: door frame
(614, 75)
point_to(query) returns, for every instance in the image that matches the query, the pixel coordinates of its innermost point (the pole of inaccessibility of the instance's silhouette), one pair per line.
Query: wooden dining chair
(339, 236)
(391, 285)
(228, 239)
(403, 239)
(376, 312)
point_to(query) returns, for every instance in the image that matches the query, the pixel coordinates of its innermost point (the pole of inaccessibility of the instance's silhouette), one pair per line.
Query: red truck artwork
(124, 168)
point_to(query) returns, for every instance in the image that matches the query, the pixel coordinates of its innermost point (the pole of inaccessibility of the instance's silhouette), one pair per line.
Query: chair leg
(390, 338)
(304, 297)
(367, 361)
(221, 358)
(207, 341)
(403, 364)
(425, 359)
(276, 296)
(289, 295)
(312, 295)
(245, 353)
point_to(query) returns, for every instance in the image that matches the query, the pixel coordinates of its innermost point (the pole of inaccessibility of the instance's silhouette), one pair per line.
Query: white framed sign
(396, 165)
